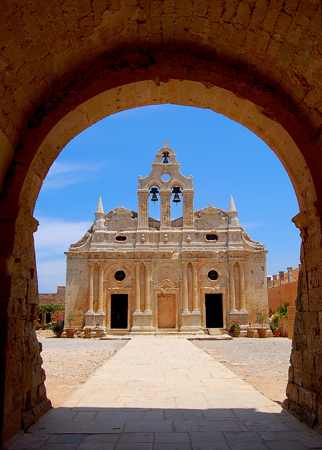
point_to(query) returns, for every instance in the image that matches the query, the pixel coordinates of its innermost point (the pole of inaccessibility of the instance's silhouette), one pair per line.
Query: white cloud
(52, 239)
(64, 174)
(50, 275)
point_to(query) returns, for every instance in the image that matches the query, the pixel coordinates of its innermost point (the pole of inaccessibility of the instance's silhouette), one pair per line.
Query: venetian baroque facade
(133, 273)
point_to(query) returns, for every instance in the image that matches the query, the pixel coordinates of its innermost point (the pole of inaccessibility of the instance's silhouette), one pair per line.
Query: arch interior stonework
(64, 68)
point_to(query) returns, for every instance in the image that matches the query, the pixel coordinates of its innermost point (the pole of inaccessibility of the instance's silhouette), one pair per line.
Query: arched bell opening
(154, 207)
(176, 206)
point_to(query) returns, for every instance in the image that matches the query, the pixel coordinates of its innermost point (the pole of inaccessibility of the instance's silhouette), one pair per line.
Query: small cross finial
(166, 143)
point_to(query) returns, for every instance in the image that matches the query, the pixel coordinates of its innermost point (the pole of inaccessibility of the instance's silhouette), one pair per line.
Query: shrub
(58, 326)
(234, 325)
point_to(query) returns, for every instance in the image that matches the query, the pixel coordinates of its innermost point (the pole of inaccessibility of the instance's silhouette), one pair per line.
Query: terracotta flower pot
(261, 332)
(236, 333)
(99, 333)
(277, 332)
(58, 333)
(250, 333)
(70, 332)
(88, 334)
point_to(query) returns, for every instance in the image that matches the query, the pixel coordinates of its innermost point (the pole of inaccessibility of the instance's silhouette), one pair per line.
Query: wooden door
(166, 311)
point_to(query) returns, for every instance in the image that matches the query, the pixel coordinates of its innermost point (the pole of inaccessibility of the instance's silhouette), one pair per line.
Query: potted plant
(70, 331)
(58, 327)
(250, 332)
(276, 330)
(234, 328)
(87, 332)
(261, 331)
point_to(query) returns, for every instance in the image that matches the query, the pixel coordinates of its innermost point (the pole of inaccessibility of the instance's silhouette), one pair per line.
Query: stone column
(137, 287)
(269, 282)
(91, 287)
(165, 199)
(289, 274)
(195, 287)
(185, 287)
(143, 209)
(232, 286)
(242, 285)
(281, 273)
(100, 287)
(90, 314)
(274, 280)
(187, 208)
(147, 287)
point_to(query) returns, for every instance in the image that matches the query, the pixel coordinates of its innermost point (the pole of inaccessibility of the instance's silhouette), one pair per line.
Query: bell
(165, 158)
(154, 191)
(176, 198)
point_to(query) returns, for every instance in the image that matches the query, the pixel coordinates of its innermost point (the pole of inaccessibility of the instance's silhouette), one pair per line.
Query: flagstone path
(164, 393)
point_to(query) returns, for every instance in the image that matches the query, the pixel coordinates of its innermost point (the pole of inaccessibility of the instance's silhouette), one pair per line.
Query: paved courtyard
(164, 393)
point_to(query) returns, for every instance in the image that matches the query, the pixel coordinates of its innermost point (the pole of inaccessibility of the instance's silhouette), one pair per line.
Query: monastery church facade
(132, 273)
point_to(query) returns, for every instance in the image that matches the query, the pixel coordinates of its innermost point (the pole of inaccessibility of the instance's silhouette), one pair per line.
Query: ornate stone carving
(165, 284)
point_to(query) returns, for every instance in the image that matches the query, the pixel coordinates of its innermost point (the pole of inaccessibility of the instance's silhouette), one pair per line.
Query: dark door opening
(119, 306)
(214, 311)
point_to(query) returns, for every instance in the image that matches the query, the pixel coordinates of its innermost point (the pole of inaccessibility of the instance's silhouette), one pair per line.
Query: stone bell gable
(133, 273)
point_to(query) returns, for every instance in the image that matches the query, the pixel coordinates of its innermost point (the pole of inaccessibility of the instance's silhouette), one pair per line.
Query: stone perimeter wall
(65, 66)
(57, 298)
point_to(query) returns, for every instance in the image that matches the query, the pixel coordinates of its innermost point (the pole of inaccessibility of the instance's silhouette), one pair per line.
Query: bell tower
(165, 179)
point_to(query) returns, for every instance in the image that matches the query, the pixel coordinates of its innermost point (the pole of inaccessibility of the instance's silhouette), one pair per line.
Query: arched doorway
(251, 77)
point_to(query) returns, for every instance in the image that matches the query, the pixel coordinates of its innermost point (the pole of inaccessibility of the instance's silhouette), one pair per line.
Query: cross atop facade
(166, 143)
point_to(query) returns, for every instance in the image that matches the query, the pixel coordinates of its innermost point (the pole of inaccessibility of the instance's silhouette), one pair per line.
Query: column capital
(185, 263)
(101, 265)
(147, 265)
(91, 265)
(241, 264)
(232, 263)
(137, 263)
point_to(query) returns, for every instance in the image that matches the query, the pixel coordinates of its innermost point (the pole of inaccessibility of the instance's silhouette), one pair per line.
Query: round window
(119, 275)
(212, 275)
(165, 177)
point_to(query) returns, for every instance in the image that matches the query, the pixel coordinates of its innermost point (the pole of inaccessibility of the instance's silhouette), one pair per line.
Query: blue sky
(106, 159)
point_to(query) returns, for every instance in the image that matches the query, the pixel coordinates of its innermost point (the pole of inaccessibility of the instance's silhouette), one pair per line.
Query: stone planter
(250, 333)
(277, 333)
(261, 332)
(70, 332)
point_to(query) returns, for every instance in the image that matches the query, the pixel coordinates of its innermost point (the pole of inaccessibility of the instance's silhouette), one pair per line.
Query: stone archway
(257, 64)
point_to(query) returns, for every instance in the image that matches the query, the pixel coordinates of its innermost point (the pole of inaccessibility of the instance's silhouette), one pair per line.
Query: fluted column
(147, 287)
(195, 287)
(100, 287)
(232, 286)
(242, 285)
(137, 287)
(91, 287)
(185, 287)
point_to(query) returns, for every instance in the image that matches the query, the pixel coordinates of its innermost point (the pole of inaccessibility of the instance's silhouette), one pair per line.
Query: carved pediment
(165, 284)
(210, 218)
(121, 218)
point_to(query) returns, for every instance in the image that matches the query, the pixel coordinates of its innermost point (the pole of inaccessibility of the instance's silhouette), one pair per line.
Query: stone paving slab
(163, 393)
